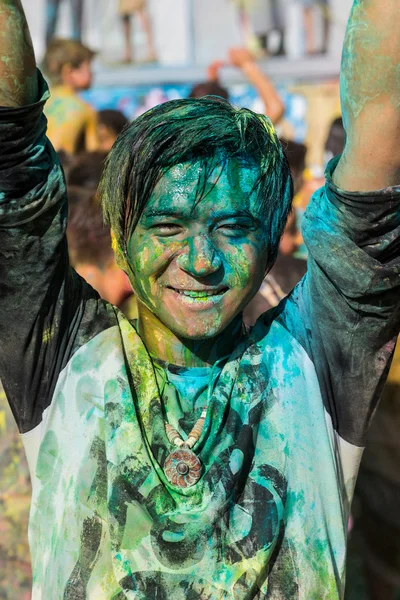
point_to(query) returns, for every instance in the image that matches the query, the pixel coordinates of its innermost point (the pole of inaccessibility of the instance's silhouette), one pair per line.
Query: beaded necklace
(182, 467)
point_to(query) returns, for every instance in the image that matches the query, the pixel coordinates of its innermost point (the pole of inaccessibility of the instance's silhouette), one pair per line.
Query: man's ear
(119, 255)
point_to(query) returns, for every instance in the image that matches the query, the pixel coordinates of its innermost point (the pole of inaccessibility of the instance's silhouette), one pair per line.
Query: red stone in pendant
(182, 468)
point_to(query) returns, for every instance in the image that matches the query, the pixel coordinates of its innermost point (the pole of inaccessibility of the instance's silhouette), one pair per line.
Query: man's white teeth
(202, 294)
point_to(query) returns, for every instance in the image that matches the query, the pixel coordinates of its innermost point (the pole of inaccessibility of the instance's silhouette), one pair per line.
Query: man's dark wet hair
(209, 131)
(112, 119)
(209, 88)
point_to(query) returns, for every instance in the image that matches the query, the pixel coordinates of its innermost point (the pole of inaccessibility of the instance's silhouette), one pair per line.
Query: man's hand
(370, 94)
(18, 78)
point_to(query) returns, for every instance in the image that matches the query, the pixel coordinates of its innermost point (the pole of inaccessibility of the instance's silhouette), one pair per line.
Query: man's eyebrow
(232, 214)
(214, 217)
(162, 212)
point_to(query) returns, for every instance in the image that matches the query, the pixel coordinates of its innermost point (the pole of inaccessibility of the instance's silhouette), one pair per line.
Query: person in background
(72, 123)
(91, 253)
(110, 123)
(288, 269)
(243, 59)
(127, 10)
(89, 240)
(52, 12)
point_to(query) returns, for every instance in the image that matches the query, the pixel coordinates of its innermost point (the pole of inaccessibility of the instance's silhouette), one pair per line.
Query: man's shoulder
(276, 329)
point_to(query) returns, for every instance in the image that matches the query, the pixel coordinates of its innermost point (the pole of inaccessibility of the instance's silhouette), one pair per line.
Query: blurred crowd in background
(83, 135)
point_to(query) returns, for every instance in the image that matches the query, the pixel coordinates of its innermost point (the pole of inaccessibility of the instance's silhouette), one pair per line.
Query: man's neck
(165, 345)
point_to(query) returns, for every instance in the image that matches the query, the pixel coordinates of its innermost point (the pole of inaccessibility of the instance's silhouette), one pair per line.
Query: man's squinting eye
(234, 228)
(165, 229)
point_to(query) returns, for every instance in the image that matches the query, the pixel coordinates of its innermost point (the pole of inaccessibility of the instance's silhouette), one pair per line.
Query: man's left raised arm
(370, 96)
(346, 311)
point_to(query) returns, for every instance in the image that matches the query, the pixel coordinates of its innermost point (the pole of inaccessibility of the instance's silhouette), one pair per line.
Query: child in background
(72, 123)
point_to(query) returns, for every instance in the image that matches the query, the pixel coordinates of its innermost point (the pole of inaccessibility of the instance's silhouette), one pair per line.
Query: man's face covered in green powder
(196, 265)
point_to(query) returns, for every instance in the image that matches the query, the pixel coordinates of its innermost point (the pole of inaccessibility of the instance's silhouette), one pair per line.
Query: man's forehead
(231, 185)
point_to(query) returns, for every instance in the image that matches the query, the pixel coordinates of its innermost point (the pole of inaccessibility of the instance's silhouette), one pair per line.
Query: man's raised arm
(370, 93)
(39, 295)
(18, 78)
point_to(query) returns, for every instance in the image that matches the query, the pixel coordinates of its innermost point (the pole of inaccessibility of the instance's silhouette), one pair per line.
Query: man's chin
(195, 331)
(195, 334)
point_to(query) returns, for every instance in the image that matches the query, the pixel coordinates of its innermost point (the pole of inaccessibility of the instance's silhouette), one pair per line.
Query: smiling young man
(181, 456)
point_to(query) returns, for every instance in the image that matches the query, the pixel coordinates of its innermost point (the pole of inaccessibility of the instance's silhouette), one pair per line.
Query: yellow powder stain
(114, 242)
(2, 421)
(46, 336)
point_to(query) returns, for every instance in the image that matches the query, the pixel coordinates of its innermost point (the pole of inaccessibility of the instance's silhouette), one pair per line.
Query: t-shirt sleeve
(43, 303)
(345, 312)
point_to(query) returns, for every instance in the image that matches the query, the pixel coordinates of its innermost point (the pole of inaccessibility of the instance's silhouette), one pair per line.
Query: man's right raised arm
(41, 299)
(18, 79)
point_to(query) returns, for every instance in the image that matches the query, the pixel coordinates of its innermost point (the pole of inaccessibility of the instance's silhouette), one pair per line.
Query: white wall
(215, 27)
(103, 28)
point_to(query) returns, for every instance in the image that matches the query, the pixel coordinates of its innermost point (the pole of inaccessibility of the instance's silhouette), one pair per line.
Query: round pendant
(182, 468)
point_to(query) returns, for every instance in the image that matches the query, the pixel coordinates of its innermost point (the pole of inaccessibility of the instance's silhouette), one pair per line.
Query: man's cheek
(152, 256)
(243, 266)
(142, 255)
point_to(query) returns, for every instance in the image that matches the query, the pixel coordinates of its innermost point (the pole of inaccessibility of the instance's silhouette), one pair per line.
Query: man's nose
(199, 257)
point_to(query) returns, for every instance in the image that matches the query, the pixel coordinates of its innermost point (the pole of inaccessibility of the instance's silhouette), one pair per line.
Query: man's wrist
(18, 69)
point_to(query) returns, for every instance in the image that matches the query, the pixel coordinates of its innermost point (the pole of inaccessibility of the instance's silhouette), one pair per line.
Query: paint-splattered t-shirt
(286, 421)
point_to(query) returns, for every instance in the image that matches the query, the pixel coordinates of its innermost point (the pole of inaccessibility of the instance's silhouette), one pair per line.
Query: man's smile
(202, 298)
